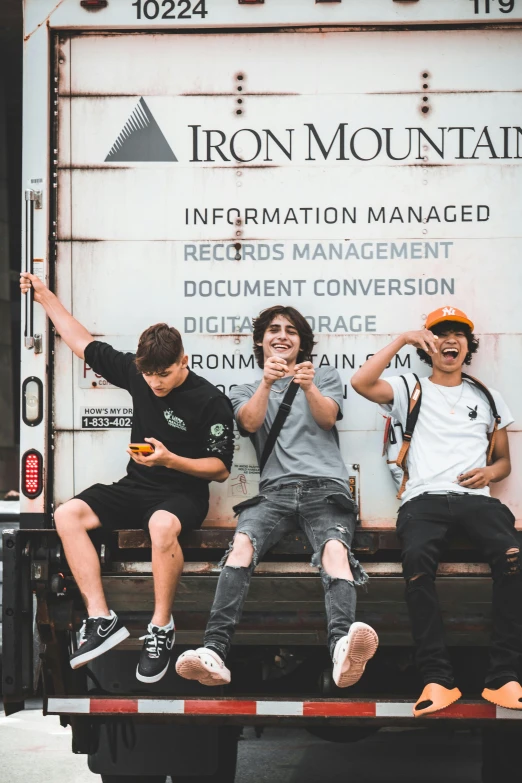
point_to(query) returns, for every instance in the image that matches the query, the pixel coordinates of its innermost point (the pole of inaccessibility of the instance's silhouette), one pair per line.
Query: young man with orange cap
(447, 486)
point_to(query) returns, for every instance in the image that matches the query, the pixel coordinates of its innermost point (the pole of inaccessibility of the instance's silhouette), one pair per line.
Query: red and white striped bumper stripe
(276, 709)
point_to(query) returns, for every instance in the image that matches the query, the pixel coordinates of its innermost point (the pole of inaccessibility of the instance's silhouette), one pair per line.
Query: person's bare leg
(351, 643)
(167, 563)
(73, 520)
(335, 561)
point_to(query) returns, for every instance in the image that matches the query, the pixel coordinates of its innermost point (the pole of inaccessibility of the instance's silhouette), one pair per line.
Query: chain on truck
(196, 161)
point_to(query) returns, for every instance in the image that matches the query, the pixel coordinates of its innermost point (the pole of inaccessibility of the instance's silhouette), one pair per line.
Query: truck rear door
(365, 177)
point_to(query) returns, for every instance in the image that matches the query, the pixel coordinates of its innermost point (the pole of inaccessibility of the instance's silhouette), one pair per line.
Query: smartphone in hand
(142, 448)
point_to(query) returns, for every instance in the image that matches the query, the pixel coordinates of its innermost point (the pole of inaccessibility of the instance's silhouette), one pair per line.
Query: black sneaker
(155, 655)
(97, 636)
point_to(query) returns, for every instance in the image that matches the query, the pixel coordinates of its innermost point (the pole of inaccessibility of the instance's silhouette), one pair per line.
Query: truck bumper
(269, 712)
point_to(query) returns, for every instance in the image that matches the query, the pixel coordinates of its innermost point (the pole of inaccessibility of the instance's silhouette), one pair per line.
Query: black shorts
(126, 505)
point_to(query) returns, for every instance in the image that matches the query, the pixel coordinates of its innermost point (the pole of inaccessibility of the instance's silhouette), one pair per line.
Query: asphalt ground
(34, 748)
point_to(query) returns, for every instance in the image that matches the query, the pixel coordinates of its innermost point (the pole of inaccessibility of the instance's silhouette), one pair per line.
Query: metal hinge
(36, 196)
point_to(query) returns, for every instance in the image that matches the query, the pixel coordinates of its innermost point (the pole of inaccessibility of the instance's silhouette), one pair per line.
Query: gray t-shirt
(303, 450)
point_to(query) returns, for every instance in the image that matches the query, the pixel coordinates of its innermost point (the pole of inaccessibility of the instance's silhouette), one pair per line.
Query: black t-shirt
(194, 420)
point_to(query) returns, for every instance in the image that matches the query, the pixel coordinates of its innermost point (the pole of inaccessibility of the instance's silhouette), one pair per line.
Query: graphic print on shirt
(218, 438)
(174, 421)
(472, 412)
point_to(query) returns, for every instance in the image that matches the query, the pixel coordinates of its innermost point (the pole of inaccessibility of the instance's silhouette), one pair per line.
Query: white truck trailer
(194, 161)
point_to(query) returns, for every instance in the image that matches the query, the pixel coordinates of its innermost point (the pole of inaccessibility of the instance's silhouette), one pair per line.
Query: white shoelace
(155, 642)
(85, 630)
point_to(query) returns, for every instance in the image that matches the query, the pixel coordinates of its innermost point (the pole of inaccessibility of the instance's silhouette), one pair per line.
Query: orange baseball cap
(448, 314)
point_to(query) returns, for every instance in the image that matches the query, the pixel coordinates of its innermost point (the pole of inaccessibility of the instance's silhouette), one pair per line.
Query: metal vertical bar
(12, 686)
(29, 255)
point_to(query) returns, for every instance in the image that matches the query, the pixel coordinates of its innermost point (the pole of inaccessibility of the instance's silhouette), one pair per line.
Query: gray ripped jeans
(325, 511)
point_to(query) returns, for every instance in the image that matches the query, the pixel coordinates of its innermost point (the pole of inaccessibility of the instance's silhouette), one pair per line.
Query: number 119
(505, 6)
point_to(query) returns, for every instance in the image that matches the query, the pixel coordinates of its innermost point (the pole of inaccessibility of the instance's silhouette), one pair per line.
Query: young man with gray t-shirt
(304, 483)
(447, 487)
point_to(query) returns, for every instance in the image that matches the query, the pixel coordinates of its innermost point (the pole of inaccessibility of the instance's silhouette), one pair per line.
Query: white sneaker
(352, 653)
(203, 665)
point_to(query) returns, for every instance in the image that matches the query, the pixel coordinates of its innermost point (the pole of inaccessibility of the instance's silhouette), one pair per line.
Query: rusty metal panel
(305, 569)
(368, 540)
(329, 70)
(282, 610)
(415, 207)
(294, 169)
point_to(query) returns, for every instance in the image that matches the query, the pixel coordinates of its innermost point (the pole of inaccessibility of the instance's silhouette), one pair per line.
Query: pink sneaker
(203, 665)
(352, 653)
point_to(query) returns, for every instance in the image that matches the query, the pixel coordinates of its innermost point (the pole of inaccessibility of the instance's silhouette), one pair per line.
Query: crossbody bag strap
(282, 413)
(484, 389)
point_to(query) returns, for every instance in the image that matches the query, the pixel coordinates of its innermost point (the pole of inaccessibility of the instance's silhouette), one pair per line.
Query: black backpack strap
(484, 389)
(406, 384)
(486, 392)
(282, 413)
(414, 406)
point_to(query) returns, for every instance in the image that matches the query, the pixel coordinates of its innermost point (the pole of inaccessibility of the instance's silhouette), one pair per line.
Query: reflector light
(94, 5)
(32, 409)
(32, 473)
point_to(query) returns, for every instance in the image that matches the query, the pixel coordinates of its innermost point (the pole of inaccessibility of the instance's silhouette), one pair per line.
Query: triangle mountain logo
(141, 139)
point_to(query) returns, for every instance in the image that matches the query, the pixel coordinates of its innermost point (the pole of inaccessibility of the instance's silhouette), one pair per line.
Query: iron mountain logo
(141, 139)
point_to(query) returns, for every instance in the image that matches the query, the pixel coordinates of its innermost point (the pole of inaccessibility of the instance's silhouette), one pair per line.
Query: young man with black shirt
(190, 425)
(304, 483)
(447, 488)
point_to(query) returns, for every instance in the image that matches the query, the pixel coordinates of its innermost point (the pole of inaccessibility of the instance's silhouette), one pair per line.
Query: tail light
(32, 483)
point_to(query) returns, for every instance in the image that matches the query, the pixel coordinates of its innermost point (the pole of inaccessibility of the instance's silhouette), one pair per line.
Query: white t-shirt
(445, 444)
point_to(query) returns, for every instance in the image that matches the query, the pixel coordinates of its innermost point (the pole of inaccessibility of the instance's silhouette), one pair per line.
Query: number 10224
(170, 9)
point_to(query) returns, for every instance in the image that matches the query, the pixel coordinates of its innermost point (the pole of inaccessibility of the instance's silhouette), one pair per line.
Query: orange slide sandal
(435, 697)
(509, 695)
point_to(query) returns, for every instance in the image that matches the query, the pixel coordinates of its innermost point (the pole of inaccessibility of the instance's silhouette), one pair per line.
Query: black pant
(423, 526)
